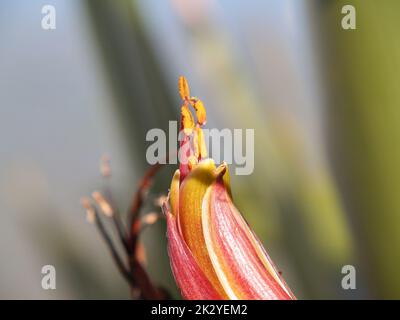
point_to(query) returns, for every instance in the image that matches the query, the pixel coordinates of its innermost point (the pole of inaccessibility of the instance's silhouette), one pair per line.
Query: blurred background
(324, 103)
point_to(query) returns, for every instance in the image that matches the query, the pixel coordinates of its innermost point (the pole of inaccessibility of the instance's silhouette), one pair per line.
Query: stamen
(201, 144)
(196, 145)
(187, 120)
(193, 142)
(192, 162)
(198, 106)
(183, 87)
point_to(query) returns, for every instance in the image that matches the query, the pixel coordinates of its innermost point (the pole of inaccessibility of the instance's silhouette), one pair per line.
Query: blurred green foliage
(362, 68)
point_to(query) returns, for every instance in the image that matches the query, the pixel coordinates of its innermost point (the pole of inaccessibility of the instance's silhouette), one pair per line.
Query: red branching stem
(134, 273)
(114, 253)
(139, 275)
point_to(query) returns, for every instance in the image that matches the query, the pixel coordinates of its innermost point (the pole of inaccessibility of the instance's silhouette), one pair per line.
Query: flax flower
(213, 252)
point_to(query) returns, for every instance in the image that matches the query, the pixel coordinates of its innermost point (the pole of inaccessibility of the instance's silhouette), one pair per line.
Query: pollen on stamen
(200, 110)
(183, 87)
(187, 120)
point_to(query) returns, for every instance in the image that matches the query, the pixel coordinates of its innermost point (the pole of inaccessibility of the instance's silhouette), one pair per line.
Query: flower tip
(221, 169)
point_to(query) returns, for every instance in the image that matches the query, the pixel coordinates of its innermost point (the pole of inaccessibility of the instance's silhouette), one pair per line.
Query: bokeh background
(324, 103)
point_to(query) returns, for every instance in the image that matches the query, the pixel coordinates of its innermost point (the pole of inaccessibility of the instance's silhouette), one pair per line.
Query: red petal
(242, 265)
(190, 279)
